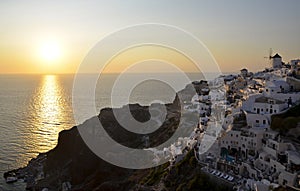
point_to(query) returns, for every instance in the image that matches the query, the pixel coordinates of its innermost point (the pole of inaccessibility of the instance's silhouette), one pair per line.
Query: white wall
(284, 96)
(257, 120)
(266, 108)
(277, 62)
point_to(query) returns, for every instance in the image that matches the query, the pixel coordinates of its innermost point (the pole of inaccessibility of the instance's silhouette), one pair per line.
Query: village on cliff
(252, 149)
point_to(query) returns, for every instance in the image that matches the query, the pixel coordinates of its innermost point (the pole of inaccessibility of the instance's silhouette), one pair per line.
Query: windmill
(270, 56)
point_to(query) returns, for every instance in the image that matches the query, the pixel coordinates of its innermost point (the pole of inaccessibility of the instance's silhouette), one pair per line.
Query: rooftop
(277, 83)
(264, 99)
(294, 156)
(276, 56)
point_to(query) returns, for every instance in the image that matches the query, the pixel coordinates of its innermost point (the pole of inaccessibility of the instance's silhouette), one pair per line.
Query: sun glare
(50, 51)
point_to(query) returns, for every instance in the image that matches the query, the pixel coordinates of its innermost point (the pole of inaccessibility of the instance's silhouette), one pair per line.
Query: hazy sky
(238, 33)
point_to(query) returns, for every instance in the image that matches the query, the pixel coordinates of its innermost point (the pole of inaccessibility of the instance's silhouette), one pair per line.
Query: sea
(35, 108)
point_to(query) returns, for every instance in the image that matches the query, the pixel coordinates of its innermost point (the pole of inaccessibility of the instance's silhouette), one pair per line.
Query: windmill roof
(276, 56)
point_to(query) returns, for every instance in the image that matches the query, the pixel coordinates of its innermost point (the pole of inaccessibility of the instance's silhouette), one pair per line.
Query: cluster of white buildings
(250, 149)
(244, 146)
(258, 156)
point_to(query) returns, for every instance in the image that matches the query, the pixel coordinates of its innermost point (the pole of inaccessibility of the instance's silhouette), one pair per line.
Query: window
(257, 121)
(264, 121)
(284, 182)
(254, 109)
(261, 110)
(275, 111)
(237, 135)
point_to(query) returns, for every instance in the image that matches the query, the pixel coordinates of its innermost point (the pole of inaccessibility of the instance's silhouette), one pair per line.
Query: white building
(276, 86)
(257, 120)
(267, 105)
(295, 64)
(242, 142)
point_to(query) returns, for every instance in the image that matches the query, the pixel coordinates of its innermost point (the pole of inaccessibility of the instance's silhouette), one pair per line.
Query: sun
(50, 51)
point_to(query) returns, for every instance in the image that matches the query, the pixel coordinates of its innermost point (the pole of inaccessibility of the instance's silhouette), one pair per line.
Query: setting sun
(50, 51)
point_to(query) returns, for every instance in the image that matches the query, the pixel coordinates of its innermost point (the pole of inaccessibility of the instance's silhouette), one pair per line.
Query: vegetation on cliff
(185, 175)
(286, 121)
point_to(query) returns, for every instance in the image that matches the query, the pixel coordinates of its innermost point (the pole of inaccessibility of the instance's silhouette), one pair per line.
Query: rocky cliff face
(71, 160)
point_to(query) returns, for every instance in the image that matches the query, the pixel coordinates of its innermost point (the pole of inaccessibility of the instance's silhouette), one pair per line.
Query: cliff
(72, 161)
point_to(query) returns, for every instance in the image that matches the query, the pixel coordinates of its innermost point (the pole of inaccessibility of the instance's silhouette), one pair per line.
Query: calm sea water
(35, 108)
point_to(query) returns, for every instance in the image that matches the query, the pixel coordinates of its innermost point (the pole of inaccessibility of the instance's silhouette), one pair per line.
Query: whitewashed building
(276, 86)
(257, 120)
(267, 105)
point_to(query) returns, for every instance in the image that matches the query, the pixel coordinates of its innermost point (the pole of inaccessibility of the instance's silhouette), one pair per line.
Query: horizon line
(71, 73)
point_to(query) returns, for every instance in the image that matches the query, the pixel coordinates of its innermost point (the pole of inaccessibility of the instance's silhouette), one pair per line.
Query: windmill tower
(275, 61)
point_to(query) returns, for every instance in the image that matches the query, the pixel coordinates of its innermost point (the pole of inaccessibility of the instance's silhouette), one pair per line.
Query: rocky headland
(71, 165)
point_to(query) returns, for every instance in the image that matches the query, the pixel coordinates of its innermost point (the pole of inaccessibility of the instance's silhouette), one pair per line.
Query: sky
(56, 36)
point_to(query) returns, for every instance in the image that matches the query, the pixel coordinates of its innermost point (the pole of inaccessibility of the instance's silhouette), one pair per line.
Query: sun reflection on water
(50, 106)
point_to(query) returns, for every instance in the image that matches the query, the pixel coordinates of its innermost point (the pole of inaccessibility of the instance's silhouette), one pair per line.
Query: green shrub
(181, 187)
(192, 183)
(290, 122)
(192, 161)
(285, 121)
